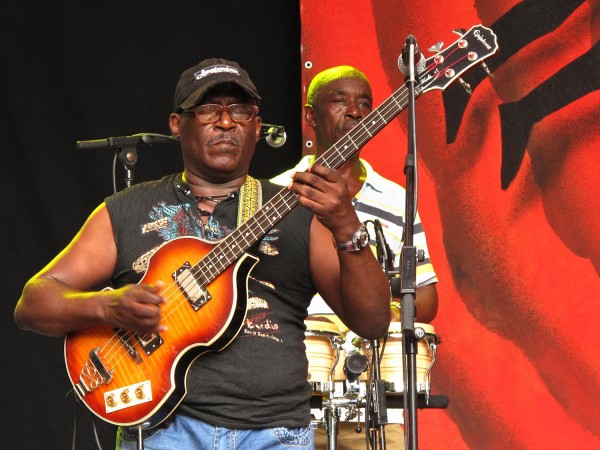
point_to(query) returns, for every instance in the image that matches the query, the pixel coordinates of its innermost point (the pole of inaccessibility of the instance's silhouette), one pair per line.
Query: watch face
(361, 238)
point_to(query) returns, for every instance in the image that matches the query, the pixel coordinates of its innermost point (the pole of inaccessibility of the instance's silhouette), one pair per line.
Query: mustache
(224, 137)
(350, 124)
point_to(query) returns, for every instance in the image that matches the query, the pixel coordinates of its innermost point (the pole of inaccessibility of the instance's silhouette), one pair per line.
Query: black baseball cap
(195, 81)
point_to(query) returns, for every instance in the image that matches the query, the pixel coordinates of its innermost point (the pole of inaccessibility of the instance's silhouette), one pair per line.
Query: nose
(225, 121)
(353, 110)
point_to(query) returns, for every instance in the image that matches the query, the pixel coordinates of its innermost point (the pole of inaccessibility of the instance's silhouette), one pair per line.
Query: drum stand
(376, 410)
(351, 401)
(375, 404)
(376, 399)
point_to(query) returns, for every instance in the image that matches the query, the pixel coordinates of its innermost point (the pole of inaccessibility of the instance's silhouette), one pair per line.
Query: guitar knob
(110, 400)
(465, 85)
(487, 70)
(125, 398)
(436, 48)
(139, 392)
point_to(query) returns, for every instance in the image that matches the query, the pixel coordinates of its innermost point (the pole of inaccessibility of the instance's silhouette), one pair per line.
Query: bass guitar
(132, 379)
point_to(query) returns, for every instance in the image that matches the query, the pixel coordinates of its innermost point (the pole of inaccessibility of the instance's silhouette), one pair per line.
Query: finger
(304, 181)
(152, 293)
(147, 310)
(311, 198)
(327, 173)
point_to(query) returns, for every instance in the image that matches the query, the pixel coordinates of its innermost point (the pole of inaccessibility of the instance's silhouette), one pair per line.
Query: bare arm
(352, 283)
(62, 297)
(426, 305)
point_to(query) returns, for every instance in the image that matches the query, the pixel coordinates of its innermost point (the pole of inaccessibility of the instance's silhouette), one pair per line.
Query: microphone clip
(275, 135)
(411, 61)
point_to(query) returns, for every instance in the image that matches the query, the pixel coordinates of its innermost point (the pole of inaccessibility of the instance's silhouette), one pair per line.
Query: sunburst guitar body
(128, 379)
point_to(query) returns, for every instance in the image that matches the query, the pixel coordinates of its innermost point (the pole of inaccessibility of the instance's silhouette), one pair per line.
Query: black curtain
(88, 70)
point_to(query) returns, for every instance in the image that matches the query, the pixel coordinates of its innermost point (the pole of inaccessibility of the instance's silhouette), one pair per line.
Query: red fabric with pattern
(509, 197)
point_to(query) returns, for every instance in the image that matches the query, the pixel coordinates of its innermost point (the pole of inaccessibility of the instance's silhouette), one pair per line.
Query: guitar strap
(250, 199)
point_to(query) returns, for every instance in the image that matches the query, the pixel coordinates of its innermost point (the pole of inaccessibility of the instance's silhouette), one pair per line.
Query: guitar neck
(440, 70)
(229, 250)
(366, 129)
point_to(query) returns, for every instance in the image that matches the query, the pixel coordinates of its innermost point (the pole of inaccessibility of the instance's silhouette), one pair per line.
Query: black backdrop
(88, 70)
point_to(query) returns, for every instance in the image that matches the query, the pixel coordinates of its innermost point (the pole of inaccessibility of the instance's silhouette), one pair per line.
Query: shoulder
(379, 182)
(146, 188)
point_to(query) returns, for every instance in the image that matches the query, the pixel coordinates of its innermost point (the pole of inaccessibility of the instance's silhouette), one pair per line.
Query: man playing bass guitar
(198, 264)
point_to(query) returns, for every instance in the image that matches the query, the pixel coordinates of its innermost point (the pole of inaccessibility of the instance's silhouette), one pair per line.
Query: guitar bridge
(126, 341)
(93, 374)
(190, 286)
(99, 366)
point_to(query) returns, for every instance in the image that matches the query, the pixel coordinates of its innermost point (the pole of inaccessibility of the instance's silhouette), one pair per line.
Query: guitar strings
(279, 199)
(333, 158)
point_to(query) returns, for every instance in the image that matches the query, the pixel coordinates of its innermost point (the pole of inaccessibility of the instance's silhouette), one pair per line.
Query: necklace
(214, 198)
(211, 198)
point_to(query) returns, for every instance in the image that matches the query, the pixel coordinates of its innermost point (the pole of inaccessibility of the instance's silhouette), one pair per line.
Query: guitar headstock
(475, 45)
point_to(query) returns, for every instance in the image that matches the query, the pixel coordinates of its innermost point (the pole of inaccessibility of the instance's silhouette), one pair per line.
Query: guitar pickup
(190, 286)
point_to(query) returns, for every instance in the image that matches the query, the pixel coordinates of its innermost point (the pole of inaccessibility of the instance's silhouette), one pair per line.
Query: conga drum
(392, 366)
(323, 339)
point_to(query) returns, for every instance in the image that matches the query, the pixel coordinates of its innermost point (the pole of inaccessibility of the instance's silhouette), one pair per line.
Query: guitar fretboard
(229, 250)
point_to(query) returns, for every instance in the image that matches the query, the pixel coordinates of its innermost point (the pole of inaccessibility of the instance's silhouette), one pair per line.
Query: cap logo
(211, 70)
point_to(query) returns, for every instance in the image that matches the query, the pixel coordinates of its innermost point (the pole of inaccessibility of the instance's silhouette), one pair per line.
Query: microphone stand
(129, 157)
(125, 148)
(408, 264)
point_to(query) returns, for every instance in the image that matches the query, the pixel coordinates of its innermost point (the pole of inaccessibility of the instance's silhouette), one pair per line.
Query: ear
(309, 117)
(258, 122)
(174, 124)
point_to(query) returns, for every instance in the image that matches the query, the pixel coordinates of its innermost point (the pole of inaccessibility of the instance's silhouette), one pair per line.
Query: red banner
(509, 198)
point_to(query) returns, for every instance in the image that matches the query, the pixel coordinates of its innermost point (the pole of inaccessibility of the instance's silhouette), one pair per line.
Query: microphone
(125, 141)
(384, 252)
(274, 134)
(404, 59)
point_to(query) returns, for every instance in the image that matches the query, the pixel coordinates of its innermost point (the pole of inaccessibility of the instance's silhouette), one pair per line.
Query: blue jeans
(188, 433)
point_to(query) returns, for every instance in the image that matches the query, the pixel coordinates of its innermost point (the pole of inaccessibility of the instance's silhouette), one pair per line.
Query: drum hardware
(332, 407)
(355, 364)
(365, 376)
(432, 341)
(376, 409)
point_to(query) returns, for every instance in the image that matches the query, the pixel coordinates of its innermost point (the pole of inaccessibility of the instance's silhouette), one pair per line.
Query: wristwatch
(360, 239)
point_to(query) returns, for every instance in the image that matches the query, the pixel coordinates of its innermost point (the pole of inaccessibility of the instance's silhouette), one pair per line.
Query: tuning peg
(436, 48)
(487, 69)
(465, 85)
(459, 31)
